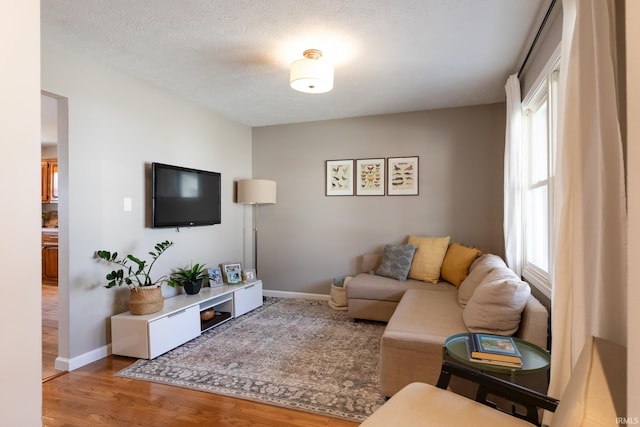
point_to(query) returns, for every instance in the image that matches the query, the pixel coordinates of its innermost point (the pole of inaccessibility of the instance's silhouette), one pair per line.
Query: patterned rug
(299, 354)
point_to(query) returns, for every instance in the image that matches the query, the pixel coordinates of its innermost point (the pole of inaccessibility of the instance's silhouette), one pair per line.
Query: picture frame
(402, 176)
(370, 177)
(232, 272)
(339, 177)
(215, 277)
(249, 275)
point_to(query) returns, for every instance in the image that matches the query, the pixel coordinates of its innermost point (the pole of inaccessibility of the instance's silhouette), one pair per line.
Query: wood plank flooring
(92, 395)
(49, 331)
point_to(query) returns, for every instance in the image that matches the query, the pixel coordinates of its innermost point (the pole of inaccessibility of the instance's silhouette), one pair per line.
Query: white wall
(20, 314)
(118, 125)
(307, 238)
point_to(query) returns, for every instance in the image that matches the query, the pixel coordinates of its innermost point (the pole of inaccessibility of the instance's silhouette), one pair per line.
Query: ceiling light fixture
(311, 74)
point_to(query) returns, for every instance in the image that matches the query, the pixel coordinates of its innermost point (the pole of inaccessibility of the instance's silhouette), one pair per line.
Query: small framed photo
(339, 178)
(232, 272)
(215, 277)
(249, 275)
(402, 176)
(370, 177)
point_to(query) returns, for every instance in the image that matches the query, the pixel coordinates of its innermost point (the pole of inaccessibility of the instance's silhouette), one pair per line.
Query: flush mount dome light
(311, 74)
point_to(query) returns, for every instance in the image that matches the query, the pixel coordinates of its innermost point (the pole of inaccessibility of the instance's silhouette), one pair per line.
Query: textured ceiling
(233, 55)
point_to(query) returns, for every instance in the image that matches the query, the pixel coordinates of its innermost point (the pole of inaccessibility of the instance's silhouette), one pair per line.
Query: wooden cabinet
(50, 258)
(49, 170)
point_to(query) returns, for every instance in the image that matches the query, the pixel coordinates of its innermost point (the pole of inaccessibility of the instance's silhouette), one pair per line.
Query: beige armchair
(595, 396)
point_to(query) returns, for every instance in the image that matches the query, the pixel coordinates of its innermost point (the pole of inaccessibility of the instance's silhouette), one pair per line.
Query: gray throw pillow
(396, 261)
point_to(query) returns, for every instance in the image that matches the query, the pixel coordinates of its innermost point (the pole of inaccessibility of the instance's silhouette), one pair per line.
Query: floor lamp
(256, 192)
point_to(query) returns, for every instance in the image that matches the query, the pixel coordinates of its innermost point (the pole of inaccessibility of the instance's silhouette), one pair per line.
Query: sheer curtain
(589, 291)
(512, 181)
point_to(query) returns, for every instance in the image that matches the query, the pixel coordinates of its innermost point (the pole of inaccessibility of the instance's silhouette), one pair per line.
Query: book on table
(494, 349)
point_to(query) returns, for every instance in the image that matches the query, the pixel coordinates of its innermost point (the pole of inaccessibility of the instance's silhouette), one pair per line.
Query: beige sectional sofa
(422, 314)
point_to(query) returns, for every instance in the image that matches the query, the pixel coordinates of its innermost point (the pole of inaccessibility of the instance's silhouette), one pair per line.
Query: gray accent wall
(308, 238)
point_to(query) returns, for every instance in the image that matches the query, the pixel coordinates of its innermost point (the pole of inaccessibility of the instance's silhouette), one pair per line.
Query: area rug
(299, 354)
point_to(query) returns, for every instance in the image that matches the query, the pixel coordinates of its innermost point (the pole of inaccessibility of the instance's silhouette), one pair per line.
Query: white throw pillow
(496, 305)
(480, 268)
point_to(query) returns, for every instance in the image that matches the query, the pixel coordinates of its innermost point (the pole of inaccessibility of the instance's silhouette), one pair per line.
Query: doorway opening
(55, 233)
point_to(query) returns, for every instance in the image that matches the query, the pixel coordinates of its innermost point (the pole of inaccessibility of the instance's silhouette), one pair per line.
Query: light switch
(127, 204)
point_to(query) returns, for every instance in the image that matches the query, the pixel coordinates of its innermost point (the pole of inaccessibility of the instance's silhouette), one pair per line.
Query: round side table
(534, 359)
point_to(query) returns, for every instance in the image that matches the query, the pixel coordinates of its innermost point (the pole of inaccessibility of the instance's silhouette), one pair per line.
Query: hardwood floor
(93, 395)
(49, 331)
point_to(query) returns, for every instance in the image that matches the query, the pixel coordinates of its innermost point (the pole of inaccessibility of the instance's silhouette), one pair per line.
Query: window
(539, 127)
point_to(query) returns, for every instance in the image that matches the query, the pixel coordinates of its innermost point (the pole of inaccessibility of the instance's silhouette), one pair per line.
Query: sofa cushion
(479, 269)
(428, 258)
(456, 263)
(411, 322)
(496, 305)
(396, 261)
(378, 288)
(411, 345)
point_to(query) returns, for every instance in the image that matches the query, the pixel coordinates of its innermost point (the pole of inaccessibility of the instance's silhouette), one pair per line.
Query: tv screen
(184, 197)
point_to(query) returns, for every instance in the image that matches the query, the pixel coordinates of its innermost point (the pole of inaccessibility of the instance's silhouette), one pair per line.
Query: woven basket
(145, 300)
(338, 299)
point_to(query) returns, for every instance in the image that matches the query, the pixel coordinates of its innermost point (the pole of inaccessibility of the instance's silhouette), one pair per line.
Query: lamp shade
(311, 74)
(256, 191)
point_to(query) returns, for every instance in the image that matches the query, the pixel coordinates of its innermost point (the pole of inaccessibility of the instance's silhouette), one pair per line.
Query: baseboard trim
(66, 364)
(301, 295)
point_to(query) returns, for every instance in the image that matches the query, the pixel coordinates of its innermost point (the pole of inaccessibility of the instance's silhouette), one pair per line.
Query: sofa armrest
(534, 324)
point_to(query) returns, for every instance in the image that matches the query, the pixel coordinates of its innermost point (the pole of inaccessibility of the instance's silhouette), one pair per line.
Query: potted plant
(190, 278)
(146, 295)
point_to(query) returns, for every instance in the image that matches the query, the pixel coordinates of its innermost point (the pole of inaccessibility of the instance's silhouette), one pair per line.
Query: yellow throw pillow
(428, 258)
(457, 261)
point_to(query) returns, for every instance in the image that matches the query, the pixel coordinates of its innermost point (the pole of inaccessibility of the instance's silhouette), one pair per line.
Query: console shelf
(220, 317)
(150, 335)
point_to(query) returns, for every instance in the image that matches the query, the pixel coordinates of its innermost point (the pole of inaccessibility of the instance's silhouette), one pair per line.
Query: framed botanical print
(370, 177)
(339, 178)
(402, 176)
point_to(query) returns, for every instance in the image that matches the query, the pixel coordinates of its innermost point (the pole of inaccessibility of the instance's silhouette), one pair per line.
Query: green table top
(534, 358)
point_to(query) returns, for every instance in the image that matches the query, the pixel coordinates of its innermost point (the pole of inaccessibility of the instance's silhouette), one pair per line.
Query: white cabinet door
(247, 298)
(129, 336)
(173, 330)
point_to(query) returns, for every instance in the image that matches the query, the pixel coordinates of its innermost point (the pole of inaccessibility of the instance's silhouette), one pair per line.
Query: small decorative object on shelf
(232, 272)
(189, 278)
(146, 296)
(207, 314)
(248, 275)
(215, 277)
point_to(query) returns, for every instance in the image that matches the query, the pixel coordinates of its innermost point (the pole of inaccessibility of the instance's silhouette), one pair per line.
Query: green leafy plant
(135, 272)
(184, 275)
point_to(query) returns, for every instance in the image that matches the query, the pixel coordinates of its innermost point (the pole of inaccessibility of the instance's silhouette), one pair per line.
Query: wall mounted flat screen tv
(184, 197)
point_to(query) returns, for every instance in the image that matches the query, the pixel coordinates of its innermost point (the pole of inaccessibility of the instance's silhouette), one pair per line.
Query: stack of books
(494, 350)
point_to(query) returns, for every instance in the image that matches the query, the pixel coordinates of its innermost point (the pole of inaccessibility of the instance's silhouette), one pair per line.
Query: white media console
(150, 335)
